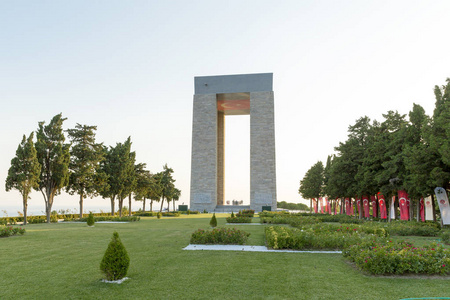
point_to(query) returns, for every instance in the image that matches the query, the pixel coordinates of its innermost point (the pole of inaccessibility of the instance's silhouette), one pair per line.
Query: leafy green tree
(118, 165)
(54, 157)
(23, 175)
(143, 184)
(155, 189)
(419, 160)
(175, 196)
(86, 178)
(439, 136)
(312, 182)
(167, 184)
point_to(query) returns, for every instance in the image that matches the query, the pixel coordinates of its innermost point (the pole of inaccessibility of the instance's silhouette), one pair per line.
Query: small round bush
(213, 221)
(159, 215)
(90, 220)
(116, 261)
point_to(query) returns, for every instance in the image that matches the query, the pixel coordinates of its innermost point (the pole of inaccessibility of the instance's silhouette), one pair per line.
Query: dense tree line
(85, 168)
(410, 153)
(292, 206)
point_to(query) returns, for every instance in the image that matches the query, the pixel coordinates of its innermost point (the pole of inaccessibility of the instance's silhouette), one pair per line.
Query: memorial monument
(216, 97)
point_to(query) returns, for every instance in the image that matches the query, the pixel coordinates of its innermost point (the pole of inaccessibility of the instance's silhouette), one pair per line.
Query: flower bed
(224, 236)
(399, 258)
(6, 231)
(407, 228)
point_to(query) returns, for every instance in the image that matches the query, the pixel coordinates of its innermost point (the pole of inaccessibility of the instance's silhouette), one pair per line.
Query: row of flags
(378, 204)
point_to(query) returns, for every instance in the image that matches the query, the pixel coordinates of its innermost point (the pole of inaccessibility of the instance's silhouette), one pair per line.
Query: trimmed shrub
(246, 213)
(110, 218)
(281, 237)
(224, 236)
(239, 219)
(171, 214)
(445, 236)
(116, 261)
(213, 221)
(159, 215)
(146, 214)
(90, 220)
(232, 214)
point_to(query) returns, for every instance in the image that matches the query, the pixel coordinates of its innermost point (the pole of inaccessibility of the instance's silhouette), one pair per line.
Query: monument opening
(237, 160)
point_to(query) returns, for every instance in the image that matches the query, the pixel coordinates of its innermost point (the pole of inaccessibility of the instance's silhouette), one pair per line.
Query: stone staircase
(230, 208)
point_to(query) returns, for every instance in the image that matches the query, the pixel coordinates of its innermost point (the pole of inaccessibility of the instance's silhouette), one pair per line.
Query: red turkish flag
(366, 206)
(402, 202)
(348, 207)
(314, 205)
(382, 203)
(328, 205)
(422, 210)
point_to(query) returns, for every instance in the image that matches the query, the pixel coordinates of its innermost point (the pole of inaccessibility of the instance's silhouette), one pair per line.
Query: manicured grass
(62, 261)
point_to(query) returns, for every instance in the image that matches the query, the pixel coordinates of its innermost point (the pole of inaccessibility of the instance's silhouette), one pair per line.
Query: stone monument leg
(262, 151)
(204, 153)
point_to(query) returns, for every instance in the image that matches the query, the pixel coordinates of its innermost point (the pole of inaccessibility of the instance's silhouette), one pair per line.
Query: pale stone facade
(218, 96)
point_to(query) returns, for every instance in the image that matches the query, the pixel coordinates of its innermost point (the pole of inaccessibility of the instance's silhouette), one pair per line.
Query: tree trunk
(151, 205)
(143, 205)
(173, 202)
(129, 203)
(310, 206)
(25, 205)
(81, 205)
(162, 202)
(360, 208)
(168, 205)
(120, 206)
(48, 211)
(112, 206)
(418, 211)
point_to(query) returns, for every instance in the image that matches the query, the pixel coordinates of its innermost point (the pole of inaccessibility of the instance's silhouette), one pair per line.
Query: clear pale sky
(129, 66)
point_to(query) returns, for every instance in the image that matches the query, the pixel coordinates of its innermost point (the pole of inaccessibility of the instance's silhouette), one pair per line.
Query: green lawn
(61, 261)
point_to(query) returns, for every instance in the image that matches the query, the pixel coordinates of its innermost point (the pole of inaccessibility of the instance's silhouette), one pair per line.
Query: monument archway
(218, 96)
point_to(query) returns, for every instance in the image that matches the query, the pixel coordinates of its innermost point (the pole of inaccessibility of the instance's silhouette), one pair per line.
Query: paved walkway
(248, 248)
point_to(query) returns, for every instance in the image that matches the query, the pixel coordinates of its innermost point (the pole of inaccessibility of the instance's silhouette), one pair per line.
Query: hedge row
(110, 218)
(155, 214)
(240, 219)
(225, 236)
(280, 237)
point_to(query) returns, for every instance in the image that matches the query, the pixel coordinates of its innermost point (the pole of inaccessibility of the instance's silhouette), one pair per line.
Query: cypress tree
(213, 221)
(116, 261)
(90, 220)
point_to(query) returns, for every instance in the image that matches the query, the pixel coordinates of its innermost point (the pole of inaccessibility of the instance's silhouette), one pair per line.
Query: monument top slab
(241, 83)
